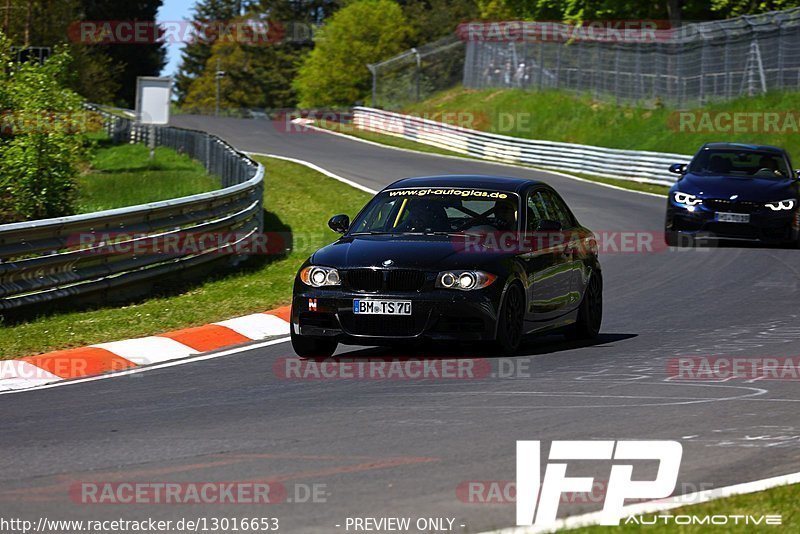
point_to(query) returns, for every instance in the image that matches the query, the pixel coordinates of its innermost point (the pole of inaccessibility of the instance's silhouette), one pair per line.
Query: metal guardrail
(40, 261)
(634, 165)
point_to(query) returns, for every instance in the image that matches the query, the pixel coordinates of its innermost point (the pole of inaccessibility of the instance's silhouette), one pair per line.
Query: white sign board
(152, 99)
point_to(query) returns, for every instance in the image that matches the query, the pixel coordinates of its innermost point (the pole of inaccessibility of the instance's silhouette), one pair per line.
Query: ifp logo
(540, 498)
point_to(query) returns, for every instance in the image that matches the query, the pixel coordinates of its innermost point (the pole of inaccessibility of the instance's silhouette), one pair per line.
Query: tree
(133, 59)
(365, 31)
(432, 19)
(195, 54)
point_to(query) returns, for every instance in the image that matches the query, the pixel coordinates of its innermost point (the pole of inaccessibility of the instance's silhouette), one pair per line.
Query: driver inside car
(423, 217)
(767, 166)
(505, 215)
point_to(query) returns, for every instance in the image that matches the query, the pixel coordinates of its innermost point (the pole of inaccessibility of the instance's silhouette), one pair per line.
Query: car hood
(416, 252)
(747, 188)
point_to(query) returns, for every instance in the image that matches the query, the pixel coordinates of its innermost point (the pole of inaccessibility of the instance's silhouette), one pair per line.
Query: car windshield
(752, 163)
(438, 210)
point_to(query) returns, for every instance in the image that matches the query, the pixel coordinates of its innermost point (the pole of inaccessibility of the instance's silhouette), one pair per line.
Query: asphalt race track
(403, 447)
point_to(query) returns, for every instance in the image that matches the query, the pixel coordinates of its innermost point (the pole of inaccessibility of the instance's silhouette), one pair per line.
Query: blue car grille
(731, 206)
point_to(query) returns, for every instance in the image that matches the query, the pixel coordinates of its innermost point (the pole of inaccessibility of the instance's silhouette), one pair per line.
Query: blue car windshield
(437, 211)
(744, 163)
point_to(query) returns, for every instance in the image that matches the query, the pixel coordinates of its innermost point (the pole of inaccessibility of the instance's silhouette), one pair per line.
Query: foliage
(257, 74)
(365, 31)
(39, 149)
(195, 54)
(675, 10)
(133, 60)
(103, 73)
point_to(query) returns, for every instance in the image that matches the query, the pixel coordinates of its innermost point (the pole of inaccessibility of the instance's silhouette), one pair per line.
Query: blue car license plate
(732, 217)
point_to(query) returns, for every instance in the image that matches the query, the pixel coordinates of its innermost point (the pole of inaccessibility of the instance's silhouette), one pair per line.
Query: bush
(40, 145)
(335, 73)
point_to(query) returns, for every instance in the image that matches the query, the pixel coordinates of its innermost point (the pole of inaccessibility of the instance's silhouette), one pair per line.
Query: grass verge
(781, 501)
(296, 198)
(399, 142)
(565, 116)
(124, 175)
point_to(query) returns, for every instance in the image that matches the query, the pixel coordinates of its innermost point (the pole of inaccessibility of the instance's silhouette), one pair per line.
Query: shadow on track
(549, 344)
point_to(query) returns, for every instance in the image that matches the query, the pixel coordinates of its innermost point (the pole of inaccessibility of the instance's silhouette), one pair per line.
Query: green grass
(400, 142)
(295, 197)
(562, 116)
(776, 501)
(123, 175)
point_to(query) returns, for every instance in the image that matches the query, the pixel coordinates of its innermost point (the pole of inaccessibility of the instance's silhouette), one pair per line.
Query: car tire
(511, 319)
(590, 311)
(677, 239)
(313, 347)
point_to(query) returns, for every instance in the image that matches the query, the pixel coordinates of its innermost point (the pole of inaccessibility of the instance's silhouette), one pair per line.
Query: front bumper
(764, 226)
(438, 314)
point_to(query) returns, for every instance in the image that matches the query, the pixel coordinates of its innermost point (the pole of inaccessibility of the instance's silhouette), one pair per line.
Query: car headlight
(464, 280)
(781, 205)
(320, 276)
(686, 198)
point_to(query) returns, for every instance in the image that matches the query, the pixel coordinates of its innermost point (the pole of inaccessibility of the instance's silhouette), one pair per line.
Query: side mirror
(797, 174)
(339, 223)
(678, 168)
(546, 225)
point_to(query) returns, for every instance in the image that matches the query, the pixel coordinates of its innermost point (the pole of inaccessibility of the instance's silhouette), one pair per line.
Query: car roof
(502, 183)
(743, 146)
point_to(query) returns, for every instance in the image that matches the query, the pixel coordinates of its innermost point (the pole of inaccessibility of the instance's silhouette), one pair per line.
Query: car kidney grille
(386, 279)
(365, 279)
(732, 206)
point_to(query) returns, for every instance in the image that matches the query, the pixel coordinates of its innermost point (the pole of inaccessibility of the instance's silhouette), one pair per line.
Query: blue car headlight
(686, 198)
(781, 205)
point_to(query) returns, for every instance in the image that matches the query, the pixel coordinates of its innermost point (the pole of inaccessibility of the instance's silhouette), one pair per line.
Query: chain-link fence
(418, 73)
(692, 64)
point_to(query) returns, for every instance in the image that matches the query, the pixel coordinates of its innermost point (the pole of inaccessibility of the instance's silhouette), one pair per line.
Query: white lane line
(317, 168)
(257, 325)
(137, 370)
(678, 501)
(147, 350)
(477, 160)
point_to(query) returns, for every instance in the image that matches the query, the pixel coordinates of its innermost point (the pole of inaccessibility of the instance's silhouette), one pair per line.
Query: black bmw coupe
(733, 191)
(450, 258)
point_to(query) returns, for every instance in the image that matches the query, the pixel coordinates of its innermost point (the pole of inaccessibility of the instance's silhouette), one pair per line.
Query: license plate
(733, 217)
(381, 307)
